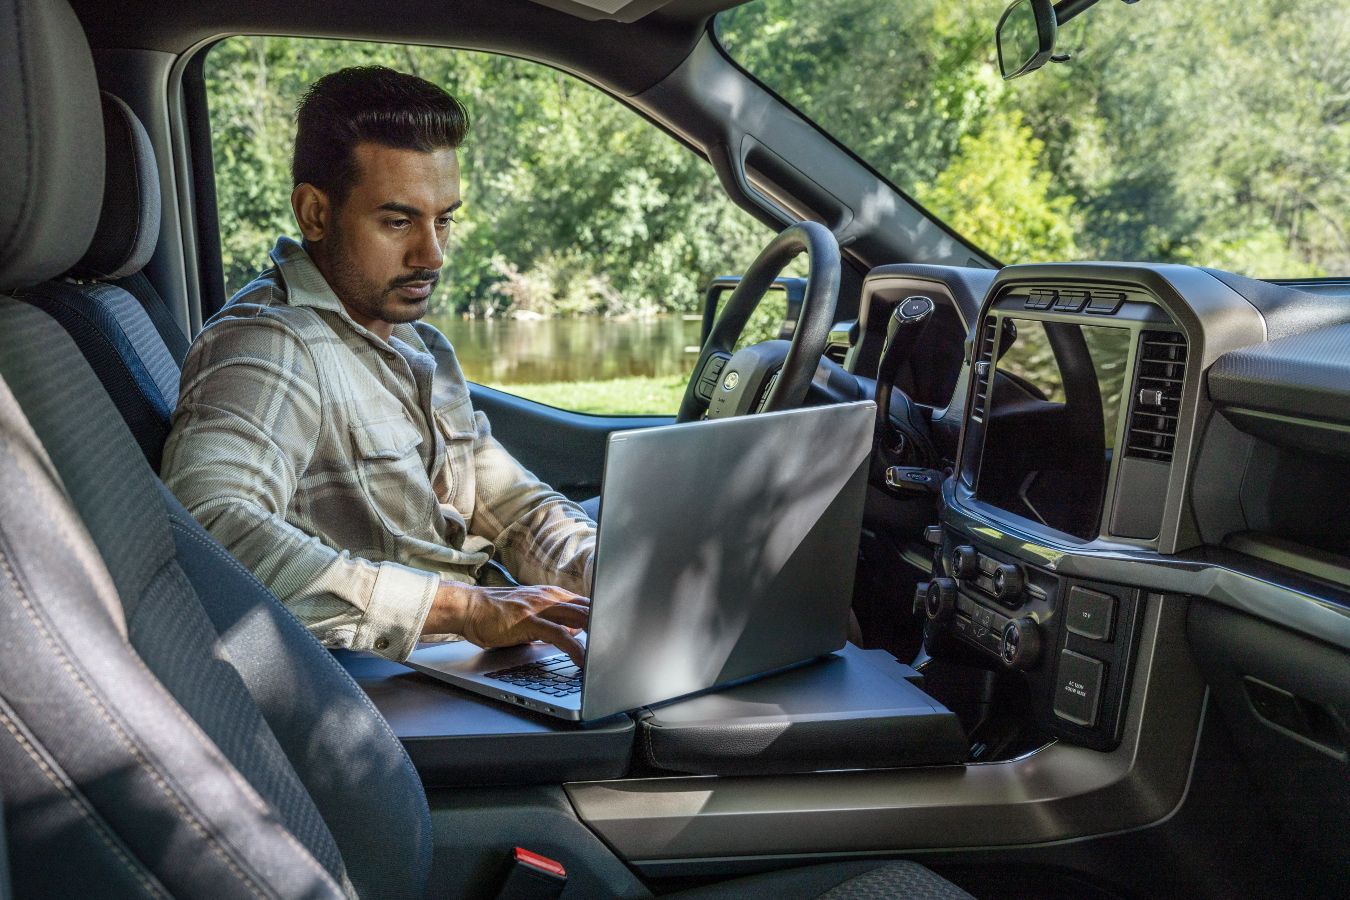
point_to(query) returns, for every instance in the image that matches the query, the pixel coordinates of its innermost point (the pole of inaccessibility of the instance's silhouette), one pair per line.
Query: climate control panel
(1072, 640)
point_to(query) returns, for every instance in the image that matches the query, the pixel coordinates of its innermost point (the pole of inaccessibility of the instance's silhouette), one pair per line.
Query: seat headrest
(128, 226)
(51, 143)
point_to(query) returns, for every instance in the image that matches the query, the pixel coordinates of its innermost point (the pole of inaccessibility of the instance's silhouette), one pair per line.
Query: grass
(617, 396)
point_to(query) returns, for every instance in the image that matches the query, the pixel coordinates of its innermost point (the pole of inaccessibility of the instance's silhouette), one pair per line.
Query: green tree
(996, 188)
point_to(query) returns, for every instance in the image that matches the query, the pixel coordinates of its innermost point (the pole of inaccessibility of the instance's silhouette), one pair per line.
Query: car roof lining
(626, 58)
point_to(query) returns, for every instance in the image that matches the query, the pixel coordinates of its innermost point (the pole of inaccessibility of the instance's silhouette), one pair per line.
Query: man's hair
(368, 103)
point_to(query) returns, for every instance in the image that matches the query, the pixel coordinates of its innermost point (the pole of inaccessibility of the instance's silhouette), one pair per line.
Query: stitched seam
(651, 750)
(220, 553)
(211, 840)
(100, 828)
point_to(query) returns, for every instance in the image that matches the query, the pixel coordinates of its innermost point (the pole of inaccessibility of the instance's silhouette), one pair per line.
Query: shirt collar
(306, 286)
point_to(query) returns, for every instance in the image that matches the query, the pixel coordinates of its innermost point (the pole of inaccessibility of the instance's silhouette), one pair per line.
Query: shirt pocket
(459, 429)
(390, 470)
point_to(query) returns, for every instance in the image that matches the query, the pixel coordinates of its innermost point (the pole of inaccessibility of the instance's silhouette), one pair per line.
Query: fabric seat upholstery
(280, 755)
(131, 340)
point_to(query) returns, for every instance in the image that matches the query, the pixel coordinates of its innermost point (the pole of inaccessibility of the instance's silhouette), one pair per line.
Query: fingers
(569, 614)
(561, 638)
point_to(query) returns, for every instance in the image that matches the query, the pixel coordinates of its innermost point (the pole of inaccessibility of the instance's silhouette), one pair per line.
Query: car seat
(130, 339)
(169, 729)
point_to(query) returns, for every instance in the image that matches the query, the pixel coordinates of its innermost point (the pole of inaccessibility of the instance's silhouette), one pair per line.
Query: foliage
(994, 187)
(573, 203)
(1213, 133)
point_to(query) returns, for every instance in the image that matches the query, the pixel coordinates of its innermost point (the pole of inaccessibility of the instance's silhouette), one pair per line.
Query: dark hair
(368, 103)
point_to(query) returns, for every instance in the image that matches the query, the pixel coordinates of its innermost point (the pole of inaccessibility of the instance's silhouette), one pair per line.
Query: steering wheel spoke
(786, 385)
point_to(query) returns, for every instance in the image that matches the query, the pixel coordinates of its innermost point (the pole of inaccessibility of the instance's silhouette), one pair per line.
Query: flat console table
(854, 709)
(455, 737)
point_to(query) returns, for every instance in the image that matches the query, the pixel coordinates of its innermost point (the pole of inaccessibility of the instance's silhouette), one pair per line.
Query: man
(319, 438)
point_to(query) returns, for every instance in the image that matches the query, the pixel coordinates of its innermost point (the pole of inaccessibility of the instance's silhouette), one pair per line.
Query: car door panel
(565, 449)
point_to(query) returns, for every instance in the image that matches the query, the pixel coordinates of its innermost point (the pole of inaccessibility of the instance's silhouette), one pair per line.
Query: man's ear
(313, 213)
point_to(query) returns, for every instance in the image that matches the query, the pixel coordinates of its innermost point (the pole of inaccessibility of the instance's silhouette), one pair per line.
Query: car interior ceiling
(1080, 666)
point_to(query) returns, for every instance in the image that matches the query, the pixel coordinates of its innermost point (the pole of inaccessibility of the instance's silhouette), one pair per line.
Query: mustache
(423, 275)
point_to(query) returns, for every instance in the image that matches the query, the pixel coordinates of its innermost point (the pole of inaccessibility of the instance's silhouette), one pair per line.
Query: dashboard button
(1078, 688)
(1019, 643)
(964, 561)
(1007, 582)
(1105, 303)
(1071, 301)
(940, 599)
(1090, 613)
(1041, 298)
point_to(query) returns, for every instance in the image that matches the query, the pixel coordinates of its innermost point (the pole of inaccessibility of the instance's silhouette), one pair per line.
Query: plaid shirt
(352, 474)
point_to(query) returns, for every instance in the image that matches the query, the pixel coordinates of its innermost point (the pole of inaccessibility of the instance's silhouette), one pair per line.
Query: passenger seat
(167, 728)
(130, 339)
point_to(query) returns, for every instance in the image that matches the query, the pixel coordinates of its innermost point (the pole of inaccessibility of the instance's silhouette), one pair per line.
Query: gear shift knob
(902, 332)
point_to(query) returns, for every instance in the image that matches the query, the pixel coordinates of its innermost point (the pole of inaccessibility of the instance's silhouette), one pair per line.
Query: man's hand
(505, 616)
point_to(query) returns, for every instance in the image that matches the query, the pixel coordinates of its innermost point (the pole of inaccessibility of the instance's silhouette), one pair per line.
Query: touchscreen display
(1054, 408)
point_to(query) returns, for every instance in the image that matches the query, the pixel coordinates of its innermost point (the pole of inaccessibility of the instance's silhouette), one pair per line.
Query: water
(585, 348)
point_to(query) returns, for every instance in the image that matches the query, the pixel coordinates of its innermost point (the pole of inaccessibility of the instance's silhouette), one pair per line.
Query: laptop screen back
(726, 549)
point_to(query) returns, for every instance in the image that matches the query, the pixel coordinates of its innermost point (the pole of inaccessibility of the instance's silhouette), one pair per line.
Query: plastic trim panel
(1060, 793)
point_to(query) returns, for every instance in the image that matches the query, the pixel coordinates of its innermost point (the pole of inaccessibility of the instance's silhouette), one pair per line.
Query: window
(576, 272)
(1205, 133)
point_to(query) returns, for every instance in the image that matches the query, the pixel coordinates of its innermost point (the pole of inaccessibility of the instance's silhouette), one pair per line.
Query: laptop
(726, 550)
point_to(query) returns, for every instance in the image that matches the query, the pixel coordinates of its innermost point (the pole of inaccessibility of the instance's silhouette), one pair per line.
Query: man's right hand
(505, 616)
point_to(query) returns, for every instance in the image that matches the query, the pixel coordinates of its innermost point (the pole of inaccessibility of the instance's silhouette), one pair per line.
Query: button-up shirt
(350, 473)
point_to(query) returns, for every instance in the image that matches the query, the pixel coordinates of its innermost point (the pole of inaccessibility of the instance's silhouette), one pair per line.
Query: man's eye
(444, 221)
(399, 224)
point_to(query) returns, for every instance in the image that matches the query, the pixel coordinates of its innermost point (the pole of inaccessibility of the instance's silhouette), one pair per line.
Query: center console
(1076, 392)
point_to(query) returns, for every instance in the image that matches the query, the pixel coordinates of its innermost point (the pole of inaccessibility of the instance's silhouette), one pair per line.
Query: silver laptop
(726, 549)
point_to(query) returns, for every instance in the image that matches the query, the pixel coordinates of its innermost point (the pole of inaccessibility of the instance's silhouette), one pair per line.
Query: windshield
(1214, 134)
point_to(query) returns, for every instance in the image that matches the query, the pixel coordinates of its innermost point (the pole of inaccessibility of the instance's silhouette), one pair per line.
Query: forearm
(540, 535)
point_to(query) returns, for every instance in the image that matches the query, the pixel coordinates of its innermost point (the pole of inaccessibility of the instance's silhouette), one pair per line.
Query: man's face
(384, 248)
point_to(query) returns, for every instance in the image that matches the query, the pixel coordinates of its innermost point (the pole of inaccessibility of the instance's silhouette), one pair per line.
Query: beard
(369, 298)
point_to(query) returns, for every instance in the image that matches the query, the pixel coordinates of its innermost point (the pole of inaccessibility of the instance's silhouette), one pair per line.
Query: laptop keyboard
(557, 676)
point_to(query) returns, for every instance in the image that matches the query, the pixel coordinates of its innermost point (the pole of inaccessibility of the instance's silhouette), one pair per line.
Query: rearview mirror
(1026, 37)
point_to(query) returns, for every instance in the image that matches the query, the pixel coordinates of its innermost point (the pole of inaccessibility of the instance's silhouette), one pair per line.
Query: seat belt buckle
(532, 877)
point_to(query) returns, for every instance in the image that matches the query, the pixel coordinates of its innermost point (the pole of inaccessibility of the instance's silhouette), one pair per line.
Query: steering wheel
(770, 375)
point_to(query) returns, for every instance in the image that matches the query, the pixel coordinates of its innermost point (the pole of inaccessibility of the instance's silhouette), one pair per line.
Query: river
(584, 348)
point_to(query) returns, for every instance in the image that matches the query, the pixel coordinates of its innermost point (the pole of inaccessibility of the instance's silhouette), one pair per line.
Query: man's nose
(427, 251)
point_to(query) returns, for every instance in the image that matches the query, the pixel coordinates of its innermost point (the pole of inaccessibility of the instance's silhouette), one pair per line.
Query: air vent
(984, 369)
(1156, 400)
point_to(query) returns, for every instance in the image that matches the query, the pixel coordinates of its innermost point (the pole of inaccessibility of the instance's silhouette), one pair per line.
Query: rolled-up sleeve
(540, 536)
(244, 432)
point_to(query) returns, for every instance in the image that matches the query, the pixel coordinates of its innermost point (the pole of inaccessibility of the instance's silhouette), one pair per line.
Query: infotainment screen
(1051, 422)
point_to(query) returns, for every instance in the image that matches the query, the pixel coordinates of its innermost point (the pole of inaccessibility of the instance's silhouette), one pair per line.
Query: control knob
(1020, 646)
(965, 562)
(1007, 581)
(940, 601)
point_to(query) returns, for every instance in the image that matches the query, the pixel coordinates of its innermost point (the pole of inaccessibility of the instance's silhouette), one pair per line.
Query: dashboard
(1119, 434)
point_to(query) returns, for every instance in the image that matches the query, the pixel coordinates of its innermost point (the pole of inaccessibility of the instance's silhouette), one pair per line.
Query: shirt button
(382, 643)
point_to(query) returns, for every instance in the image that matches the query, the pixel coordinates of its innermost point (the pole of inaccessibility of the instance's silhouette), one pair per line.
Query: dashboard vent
(984, 368)
(1156, 400)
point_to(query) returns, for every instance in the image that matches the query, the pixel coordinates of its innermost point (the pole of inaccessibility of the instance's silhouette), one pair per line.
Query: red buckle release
(542, 863)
